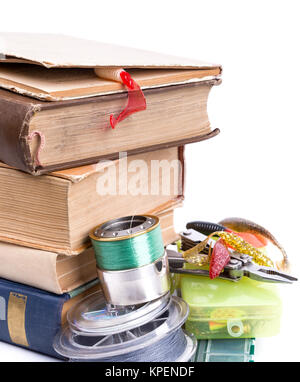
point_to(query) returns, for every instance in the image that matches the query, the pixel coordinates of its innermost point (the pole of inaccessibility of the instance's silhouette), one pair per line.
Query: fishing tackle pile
(244, 236)
(135, 318)
(245, 308)
(220, 256)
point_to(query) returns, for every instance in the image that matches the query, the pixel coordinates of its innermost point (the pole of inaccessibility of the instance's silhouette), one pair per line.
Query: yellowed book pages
(41, 269)
(58, 273)
(63, 84)
(56, 212)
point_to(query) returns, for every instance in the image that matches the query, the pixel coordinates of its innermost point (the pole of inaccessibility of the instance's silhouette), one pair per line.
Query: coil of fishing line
(159, 340)
(131, 261)
(93, 315)
(128, 242)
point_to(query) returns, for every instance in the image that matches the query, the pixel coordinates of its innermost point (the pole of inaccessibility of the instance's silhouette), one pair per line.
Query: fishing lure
(207, 228)
(244, 225)
(219, 258)
(194, 255)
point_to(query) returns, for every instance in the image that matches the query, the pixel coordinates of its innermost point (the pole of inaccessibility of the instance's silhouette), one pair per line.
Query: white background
(251, 169)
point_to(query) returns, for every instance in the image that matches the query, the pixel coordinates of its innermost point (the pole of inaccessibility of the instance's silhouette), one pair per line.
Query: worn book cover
(31, 317)
(55, 109)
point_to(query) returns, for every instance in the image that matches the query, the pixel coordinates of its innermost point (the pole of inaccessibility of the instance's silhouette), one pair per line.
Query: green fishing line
(132, 252)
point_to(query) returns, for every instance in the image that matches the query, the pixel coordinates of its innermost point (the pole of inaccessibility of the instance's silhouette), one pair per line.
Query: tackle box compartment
(221, 309)
(229, 350)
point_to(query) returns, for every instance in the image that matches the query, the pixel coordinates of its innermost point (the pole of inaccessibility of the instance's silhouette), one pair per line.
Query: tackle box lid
(254, 299)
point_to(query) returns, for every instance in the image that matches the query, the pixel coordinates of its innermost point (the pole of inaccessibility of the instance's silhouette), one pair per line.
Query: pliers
(239, 265)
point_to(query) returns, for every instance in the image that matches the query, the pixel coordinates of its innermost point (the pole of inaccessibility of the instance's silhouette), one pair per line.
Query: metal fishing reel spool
(142, 342)
(132, 285)
(127, 226)
(138, 285)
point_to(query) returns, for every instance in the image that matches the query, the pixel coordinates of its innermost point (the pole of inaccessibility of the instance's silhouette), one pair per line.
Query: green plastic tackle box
(233, 350)
(226, 309)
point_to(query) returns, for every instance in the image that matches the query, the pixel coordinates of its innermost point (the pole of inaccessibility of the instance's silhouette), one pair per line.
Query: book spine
(115, 155)
(30, 317)
(14, 125)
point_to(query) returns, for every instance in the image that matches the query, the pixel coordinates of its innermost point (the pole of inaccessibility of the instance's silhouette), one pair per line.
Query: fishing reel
(135, 318)
(130, 253)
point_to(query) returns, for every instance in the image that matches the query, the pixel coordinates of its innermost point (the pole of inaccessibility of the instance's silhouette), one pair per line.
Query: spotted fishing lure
(195, 256)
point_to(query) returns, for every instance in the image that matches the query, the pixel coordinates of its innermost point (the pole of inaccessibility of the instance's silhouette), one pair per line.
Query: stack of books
(64, 169)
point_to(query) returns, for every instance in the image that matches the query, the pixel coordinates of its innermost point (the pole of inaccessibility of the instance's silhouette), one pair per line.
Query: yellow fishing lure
(194, 255)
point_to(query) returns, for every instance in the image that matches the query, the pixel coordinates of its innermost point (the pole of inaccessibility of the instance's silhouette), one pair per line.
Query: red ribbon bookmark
(136, 99)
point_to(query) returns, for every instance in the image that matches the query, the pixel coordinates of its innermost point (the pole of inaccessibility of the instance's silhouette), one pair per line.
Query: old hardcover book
(59, 273)
(54, 113)
(56, 212)
(31, 317)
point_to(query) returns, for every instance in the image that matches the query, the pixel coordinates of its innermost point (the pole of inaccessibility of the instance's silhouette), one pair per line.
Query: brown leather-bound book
(55, 107)
(55, 212)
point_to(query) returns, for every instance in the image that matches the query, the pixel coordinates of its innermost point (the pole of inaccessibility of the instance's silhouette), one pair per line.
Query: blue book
(31, 317)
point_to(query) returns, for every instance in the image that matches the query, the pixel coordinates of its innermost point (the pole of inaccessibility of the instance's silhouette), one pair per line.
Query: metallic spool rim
(145, 272)
(65, 345)
(138, 317)
(150, 220)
